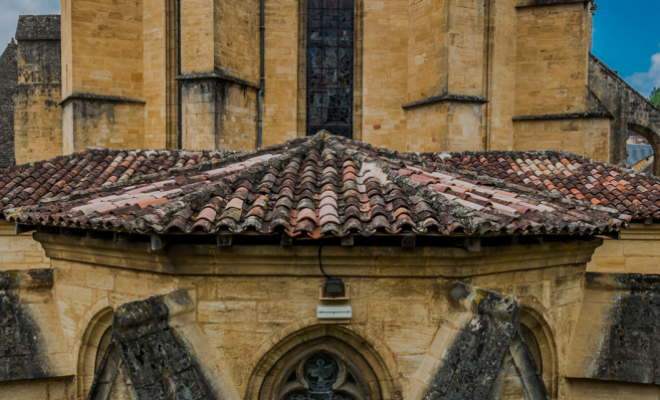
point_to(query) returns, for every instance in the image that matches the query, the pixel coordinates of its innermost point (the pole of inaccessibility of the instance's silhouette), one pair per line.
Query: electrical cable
(321, 263)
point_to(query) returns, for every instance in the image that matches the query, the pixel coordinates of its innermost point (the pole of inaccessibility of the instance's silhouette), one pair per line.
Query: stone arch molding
(363, 361)
(653, 137)
(629, 110)
(89, 347)
(475, 348)
(537, 323)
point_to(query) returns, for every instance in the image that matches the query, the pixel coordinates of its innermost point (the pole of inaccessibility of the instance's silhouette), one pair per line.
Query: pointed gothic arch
(541, 343)
(357, 369)
(95, 341)
(651, 137)
(330, 55)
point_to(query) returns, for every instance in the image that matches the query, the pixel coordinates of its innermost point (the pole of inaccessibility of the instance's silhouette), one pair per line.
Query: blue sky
(11, 9)
(626, 37)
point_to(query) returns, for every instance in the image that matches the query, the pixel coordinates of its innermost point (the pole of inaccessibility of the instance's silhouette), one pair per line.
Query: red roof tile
(315, 186)
(563, 174)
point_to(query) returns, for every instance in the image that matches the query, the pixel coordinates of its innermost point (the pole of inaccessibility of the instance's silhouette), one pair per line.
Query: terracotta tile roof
(559, 174)
(25, 185)
(315, 186)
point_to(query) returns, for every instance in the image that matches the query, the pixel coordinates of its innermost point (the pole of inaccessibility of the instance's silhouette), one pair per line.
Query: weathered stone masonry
(21, 341)
(631, 111)
(38, 117)
(8, 83)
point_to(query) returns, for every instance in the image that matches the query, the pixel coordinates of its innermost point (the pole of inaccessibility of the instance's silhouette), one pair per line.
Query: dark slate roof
(314, 186)
(38, 27)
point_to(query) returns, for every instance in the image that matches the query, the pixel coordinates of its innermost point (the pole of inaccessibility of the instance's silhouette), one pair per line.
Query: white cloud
(646, 81)
(11, 9)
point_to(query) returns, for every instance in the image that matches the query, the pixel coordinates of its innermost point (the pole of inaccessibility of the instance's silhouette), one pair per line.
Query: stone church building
(385, 200)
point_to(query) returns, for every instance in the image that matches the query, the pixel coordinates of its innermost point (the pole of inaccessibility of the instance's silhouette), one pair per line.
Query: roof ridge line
(396, 177)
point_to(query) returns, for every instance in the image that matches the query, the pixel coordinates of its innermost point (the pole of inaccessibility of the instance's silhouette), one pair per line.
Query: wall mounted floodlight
(334, 287)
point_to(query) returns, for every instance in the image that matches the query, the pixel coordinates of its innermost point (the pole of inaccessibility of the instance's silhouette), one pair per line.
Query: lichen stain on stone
(156, 359)
(630, 351)
(21, 343)
(476, 355)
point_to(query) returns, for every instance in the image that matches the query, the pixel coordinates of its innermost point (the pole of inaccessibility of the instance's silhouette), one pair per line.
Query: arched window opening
(325, 368)
(321, 377)
(640, 154)
(103, 346)
(330, 71)
(95, 342)
(533, 346)
(540, 341)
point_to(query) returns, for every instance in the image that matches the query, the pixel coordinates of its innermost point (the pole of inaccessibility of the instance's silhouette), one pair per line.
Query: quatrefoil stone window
(320, 377)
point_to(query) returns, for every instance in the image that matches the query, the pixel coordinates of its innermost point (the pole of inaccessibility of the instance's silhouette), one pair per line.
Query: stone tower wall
(8, 83)
(38, 117)
(103, 48)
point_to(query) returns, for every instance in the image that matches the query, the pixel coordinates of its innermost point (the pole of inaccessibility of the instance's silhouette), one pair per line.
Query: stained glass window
(320, 372)
(330, 66)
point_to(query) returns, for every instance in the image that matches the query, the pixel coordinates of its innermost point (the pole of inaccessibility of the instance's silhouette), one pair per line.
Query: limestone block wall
(247, 301)
(19, 252)
(218, 115)
(236, 38)
(37, 115)
(37, 123)
(552, 49)
(154, 75)
(496, 53)
(554, 296)
(445, 126)
(632, 111)
(8, 82)
(427, 49)
(52, 389)
(99, 122)
(590, 389)
(638, 252)
(616, 337)
(384, 69)
(103, 41)
(197, 36)
(465, 41)
(588, 137)
(282, 56)
(500, 74)
(33, 348)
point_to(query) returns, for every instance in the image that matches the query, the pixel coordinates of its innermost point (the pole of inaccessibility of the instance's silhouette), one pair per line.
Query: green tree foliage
(655, 96)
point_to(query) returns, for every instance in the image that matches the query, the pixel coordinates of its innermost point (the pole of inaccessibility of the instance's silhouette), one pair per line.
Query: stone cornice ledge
(31, 84)
(545, 117)
(459, 98)
(101, 98)
(535, 3)
(218, 76)
(182, 259)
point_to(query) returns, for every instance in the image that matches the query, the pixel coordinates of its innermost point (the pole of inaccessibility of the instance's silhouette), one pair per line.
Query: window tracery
(330, 66)
(320, 377)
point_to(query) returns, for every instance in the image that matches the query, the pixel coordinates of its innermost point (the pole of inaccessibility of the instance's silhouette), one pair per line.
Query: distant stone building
(421, 76)
(31, 118)
(8, 83)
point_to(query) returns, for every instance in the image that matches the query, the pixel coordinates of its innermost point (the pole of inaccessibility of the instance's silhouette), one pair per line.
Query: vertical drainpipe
(262, 82)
